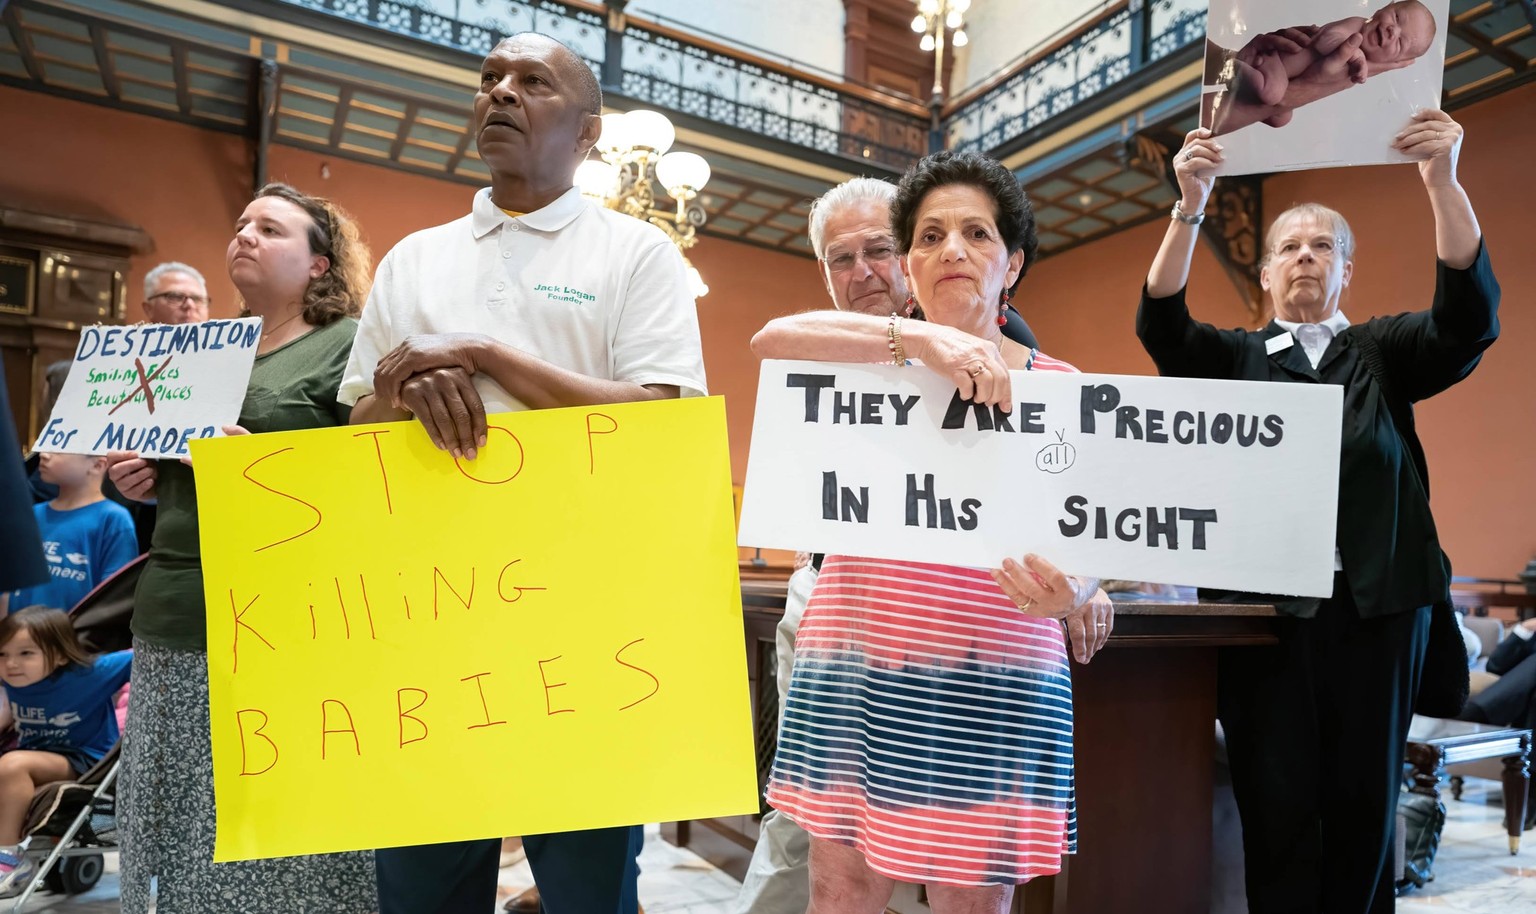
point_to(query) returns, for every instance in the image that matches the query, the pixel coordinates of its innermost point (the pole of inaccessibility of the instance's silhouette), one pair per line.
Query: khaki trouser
(778, 879)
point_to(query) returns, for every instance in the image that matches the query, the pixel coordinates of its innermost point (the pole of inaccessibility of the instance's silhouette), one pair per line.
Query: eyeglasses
(177, 299)
(843, 261)
(1321, 247)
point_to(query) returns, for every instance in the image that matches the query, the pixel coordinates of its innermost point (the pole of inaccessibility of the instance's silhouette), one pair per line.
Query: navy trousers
(1316, 730)
(578, 872)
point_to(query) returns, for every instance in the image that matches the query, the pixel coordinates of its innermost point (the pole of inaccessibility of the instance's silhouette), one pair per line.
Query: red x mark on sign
(143, 384)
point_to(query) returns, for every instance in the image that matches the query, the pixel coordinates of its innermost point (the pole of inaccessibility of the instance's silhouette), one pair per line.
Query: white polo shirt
(576, 285)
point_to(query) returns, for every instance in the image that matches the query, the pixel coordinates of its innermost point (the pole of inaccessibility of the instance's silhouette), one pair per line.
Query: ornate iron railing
(661, 69)
(1101, 55)
(1174, 25)
(473, 25)
(675, 74)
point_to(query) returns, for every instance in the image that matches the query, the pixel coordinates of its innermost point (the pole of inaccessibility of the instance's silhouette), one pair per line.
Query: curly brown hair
(343, 288)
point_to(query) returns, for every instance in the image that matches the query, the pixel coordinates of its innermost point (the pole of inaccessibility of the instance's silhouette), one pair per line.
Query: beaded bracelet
(893, 338)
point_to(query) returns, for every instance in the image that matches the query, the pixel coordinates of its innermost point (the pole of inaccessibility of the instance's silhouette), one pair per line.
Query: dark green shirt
(292, 387)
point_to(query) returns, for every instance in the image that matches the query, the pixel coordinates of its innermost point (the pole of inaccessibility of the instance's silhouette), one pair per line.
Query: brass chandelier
(634, 160)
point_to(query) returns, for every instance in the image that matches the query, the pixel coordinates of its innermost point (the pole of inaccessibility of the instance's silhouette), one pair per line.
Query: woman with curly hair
(299, 266)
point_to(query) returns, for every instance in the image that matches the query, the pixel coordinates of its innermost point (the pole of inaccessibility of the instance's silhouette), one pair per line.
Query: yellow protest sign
(404, 648)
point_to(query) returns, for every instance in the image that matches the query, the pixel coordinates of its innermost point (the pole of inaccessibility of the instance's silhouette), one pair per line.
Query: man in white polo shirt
(536, 299)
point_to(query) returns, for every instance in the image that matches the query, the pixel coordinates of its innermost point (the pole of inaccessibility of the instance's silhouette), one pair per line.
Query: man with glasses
(175, 293)
(851, 234)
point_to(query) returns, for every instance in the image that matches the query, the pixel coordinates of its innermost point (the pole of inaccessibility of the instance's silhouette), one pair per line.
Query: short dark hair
(586, 81)
(1015, 217)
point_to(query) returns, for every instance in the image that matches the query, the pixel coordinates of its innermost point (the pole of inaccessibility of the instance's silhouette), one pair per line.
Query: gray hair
(1343, 235)
(153, 278)
(844, 195)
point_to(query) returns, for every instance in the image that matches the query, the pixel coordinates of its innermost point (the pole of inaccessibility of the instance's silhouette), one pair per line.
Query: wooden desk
(1479, 602)
(1145, 732)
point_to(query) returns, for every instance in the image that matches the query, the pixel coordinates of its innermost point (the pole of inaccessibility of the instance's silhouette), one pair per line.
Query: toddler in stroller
(57, 783)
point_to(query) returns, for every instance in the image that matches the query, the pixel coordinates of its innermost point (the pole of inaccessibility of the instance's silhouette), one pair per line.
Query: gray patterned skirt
(166, 813)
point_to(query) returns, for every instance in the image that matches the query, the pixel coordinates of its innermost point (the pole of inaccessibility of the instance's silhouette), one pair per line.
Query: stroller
(71, 823)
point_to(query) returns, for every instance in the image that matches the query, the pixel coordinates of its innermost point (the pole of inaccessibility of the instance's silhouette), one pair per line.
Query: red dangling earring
(911, 304)
(1002, 310)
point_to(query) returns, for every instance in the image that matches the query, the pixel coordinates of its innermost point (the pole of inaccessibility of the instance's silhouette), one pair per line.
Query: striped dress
(929, 724)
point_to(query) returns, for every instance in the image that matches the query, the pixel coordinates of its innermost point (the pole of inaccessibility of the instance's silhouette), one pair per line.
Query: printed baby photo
(1318, 83)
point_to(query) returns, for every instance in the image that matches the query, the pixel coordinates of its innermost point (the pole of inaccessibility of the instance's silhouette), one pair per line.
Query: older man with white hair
(175, 293)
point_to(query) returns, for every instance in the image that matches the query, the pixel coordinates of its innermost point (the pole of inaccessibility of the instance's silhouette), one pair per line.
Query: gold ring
(1189, 154)
(1028, 602)
(977, 370)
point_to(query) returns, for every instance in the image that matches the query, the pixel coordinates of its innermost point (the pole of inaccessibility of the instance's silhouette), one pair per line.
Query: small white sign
(1168, 480)
(152, 388)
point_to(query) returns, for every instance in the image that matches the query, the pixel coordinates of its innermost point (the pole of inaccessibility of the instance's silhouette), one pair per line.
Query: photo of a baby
(1261, 75)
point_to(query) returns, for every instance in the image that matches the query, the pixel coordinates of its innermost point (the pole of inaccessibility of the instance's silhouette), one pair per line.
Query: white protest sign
(1229, 484)
(152, 388)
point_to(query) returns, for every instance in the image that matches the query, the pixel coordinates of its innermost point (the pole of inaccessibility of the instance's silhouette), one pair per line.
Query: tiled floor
(1474, 873)
(672, 880)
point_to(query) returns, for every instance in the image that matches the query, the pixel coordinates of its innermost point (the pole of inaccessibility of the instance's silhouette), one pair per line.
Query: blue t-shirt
(70, 712)
(84, 547)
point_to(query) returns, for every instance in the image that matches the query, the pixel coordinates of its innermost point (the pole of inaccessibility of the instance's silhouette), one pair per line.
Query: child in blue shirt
(60, 699)
(86, 536)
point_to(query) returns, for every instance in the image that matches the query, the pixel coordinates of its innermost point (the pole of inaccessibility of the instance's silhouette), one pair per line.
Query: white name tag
(1279, 343)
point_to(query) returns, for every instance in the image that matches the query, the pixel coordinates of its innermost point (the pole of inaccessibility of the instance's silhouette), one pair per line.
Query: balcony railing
(669, 71)
(1125, 41)
(474, 25)
(659, 66)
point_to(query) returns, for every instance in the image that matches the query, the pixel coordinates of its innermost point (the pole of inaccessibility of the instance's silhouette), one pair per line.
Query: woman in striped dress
(927, 737)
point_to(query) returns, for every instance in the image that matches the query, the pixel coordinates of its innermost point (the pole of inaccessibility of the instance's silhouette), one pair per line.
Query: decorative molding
(1234, 221)
(61, 229)
(1234, 228)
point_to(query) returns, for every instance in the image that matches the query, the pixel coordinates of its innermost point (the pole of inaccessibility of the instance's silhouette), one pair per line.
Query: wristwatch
(1178, 214)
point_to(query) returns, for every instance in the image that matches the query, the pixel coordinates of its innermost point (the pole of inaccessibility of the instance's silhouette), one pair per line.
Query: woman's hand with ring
(1037, 587)
(1089, 626)
(974, 365)
(1195, 168)
(1435, 140)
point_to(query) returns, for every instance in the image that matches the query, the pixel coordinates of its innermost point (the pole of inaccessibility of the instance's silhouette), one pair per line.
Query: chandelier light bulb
(960, 40)
(954, 20)
(634, 148)
(927, 7)
(682, 173)
(919, 23)
(927, 43)
(650, 129)
(960, 6)
(596, 179)
(615, 136)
